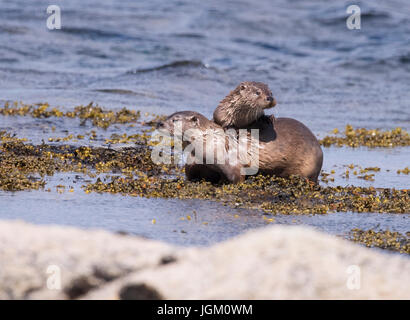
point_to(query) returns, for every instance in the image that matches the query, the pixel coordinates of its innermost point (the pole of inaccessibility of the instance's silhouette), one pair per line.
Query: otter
(244, 105)
(195, 171)
(286, 147)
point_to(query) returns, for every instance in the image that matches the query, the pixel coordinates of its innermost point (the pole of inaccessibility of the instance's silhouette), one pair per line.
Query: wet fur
(288, 147)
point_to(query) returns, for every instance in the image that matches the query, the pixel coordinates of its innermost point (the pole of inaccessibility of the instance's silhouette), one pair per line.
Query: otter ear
(194, 119)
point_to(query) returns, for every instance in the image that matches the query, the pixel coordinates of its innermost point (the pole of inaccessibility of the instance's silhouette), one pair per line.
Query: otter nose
(272, 101)
(160, 125)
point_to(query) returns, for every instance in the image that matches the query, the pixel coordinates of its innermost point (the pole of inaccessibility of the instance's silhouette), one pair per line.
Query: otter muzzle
(272, 103)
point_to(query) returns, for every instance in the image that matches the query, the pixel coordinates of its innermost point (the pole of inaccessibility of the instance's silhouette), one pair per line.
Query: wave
(172, 65)
(189, 35)
(13, 30)
(271, 47)
(90, 33)
(369, 62)
(116, 91)
(405, 58)
(126, 92)
(337, 15)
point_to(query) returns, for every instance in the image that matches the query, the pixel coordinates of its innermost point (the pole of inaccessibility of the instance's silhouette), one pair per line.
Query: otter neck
(242, 114)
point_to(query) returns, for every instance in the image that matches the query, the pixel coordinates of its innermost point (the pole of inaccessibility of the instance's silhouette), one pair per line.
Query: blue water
(162, 56)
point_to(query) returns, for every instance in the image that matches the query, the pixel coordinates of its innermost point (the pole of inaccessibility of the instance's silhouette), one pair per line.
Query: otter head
(178, 125)
(244, 105)
(186, 120)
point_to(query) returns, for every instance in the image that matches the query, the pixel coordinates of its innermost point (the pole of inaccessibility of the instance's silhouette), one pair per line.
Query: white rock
(278, 262)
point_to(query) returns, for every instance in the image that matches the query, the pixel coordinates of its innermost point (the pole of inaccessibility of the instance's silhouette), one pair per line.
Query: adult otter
(287, 148)
(244, 105)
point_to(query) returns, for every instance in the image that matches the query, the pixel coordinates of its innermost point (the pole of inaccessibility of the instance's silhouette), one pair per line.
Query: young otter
(288, 148)
(205, 128)
(244, 105)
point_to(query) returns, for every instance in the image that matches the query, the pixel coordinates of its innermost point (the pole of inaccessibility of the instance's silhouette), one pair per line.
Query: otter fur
(196, 170)
(286, 147)
(244, 105)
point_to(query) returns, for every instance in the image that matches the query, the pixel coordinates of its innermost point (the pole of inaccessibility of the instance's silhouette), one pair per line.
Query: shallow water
(182, 222)
(162, 56)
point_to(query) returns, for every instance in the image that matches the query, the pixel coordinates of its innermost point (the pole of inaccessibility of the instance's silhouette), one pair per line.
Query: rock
(32, 256)
(278, 262)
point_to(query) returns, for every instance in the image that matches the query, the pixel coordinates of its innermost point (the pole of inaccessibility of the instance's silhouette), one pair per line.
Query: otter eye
(243, 87)
(258, 93)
